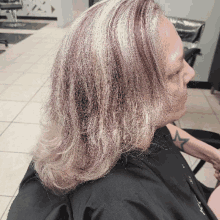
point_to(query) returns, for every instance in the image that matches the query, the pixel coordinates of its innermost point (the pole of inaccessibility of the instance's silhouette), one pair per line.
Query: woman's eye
(178, 72)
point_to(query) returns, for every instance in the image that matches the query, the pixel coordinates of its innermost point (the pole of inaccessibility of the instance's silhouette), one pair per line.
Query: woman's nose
(190, 72)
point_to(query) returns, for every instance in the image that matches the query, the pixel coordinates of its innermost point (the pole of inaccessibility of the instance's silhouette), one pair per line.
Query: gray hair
(107, 93)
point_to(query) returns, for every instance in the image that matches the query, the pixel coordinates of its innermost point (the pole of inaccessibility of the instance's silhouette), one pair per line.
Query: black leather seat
(190, 31)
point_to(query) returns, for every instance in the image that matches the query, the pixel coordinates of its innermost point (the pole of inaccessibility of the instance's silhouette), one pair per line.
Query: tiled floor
(24, 86)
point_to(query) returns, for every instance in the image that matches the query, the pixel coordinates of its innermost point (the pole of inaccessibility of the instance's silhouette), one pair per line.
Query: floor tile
(29, 79)
(48, 83)
(206, 176)
(4, 217)
(51, 40)
(194, 92)
(9, 77)
(218, 116)
(3, 126)
(16, 192)
(58, 35)
(53, 52)
(207, 92)
(40, 69)
(4, 203)
(30, 114)
(9, 55)
(42, 45)
(13, 166)
(5, 64)
(3, 88)
(46, 60)
(42, 95)
(31, 41)
(21, 93)
(187, 158)
(9, 110)
(19, 137)
(39, 52)
(195, 161)
(214, 103)
(17, 67)
(200, 121)
(177, 123)
(40, 34)
(15, 50)
(22, 48)
(208, 165)
(198, 104)
(28, 59)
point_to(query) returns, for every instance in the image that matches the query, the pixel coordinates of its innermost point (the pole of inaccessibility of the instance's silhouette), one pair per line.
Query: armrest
(208, 137)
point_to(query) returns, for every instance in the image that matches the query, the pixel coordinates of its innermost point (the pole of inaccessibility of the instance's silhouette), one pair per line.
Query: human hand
(217, 175)
(216, 164)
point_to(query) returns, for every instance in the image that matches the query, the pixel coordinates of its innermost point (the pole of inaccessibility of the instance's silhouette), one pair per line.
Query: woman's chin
(173, 117)
(179, 114)
(182, 112)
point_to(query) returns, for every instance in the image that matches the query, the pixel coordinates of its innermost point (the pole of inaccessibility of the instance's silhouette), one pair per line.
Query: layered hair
(107, 95)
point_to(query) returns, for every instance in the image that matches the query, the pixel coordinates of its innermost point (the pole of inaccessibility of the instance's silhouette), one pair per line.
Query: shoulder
(118, 195)
(118, 183)
(121, 183)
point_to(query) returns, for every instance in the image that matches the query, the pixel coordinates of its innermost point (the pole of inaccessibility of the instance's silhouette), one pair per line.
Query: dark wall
(214, 76)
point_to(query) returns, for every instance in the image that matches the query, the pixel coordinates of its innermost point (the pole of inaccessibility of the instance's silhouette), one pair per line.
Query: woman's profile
(106, 150)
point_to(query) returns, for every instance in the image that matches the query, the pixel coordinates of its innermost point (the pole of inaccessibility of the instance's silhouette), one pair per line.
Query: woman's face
(177, 70)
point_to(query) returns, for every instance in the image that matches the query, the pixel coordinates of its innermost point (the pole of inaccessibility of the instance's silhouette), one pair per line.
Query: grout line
(214, 113)
(6, 208)
(11, 100)
(13, 152)
(5, 196)
(22, 122)
(10, 203)
(20, 112)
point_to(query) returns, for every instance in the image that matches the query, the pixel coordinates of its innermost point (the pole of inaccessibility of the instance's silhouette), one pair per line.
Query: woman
(106, 151)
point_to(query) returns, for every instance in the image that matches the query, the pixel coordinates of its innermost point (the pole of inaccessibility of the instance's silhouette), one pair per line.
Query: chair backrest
(11, 4)
(12, 1)
(190, 31)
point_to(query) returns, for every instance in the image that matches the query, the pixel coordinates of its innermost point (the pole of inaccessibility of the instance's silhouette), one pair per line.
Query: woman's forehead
(170, 43)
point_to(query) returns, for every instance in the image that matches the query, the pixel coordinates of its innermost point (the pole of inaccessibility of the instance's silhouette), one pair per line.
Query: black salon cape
(159, 187)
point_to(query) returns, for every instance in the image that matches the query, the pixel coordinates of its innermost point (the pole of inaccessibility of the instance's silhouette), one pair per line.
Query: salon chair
(5, 42)
(190, 32)
(12, 6)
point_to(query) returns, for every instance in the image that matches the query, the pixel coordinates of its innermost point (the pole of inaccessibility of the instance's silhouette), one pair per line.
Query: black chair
(190, 32)
(12, 6)
(4, 42)
(208, 137)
